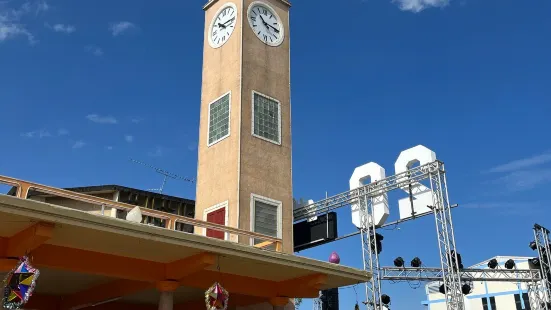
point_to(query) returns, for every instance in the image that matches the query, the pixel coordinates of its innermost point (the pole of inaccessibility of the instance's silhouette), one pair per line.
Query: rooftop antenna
(165, 175)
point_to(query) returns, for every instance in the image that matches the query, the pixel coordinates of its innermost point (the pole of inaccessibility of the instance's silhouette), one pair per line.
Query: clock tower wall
(217, 174)
(265, 168)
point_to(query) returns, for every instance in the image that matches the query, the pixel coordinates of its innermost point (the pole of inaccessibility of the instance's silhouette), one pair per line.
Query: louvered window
(266, 118)
(219, 119)
(266, 219)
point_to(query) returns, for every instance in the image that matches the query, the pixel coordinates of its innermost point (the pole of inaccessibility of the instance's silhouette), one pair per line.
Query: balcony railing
(170, 220)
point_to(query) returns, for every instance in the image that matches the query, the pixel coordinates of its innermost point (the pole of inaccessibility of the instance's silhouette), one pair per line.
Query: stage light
(385, 299)
(399, 262)
(533, 245)
(534, 263)
(510, 264)
(416, 262)
(466, 289)
(459, 263)
(442, 289)
(377, 238)
(492, 264)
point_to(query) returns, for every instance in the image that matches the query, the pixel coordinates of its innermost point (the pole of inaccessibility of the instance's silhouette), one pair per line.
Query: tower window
(219, 119)
(266, 118)
(265, 218)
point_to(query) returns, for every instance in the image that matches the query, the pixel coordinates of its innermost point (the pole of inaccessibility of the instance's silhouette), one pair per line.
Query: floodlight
(510, 264)
(377, 238)
(399, 262)
(492, 264)
(385, 299)
(442, 289)
(416, 262)
(534, 263)
(466, 289)
(533, 245)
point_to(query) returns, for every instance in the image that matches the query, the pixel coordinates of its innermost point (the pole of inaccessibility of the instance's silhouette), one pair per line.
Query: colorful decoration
(19, 285)
(334, 258)
(216, 297)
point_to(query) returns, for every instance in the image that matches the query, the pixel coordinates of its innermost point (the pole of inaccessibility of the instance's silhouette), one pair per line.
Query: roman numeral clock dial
(222, 25)
(265, 23)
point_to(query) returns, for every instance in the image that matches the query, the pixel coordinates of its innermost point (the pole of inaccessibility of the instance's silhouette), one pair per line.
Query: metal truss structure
(448, 273)
(465, 275)
(365, 196)
(541, 239)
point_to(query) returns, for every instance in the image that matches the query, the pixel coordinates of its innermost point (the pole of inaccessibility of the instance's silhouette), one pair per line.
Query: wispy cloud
(524, 179)
(157, 152)
(12, 23)
(109, 148)
(136, 120)
(62, 132)
(94, 50)
(508, 207)
(129, 138)
(78, 144)
(121, 27)
(42, 133)
(417, 6)
(107, 119)
(523, 163)
(68, 29)
(523, 174)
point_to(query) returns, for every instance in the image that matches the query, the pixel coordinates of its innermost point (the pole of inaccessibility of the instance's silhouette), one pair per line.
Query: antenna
(165, 175)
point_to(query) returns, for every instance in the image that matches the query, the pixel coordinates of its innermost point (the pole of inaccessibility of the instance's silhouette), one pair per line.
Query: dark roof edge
(97, 188)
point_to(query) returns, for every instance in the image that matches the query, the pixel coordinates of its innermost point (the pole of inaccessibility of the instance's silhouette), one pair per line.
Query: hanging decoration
(19, 284)
(216, 297)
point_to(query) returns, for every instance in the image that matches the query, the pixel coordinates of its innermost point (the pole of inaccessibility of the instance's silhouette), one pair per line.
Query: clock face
(223, 25)
(265, 23)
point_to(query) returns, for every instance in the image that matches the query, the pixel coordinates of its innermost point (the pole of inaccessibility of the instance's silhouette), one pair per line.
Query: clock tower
(244, 177)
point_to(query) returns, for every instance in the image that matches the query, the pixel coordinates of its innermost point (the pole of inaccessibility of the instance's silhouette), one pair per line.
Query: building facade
(487, 295)
(132, 196)
(244, 175)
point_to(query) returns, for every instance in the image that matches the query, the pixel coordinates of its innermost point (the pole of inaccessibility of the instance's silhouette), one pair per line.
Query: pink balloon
(334, 258)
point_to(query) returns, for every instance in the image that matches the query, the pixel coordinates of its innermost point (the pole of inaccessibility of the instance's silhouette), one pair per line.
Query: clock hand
(268, 25)
(221, 25)
(274, 28)
(229, 21)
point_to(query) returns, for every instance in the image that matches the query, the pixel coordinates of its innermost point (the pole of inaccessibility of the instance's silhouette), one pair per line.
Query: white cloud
(417, 6)
(129, 138)
(108, 119)
(94, 50)
(192, 146)
(136, 120)
(121, 27)
(158, 152)
(78, 144)
(523, 163)
(109, 148)
(62, 132)
(42, 133)
(523, 180)
(12, 19)
(68, 29)
(508, 207)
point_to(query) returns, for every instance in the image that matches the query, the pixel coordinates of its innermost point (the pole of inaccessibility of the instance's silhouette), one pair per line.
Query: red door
(217, 217)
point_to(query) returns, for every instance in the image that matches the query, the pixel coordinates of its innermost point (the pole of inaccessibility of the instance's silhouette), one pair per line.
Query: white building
(486, 295)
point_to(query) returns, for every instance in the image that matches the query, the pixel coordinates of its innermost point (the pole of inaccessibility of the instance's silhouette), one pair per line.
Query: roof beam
(29, 239)
(126, 268)
(104, 292)
(184, 267)
(76, 260)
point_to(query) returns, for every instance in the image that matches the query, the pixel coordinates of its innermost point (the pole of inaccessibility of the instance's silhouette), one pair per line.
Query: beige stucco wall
(241, 165)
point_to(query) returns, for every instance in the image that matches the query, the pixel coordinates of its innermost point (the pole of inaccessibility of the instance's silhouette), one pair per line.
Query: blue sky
(86, 85)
